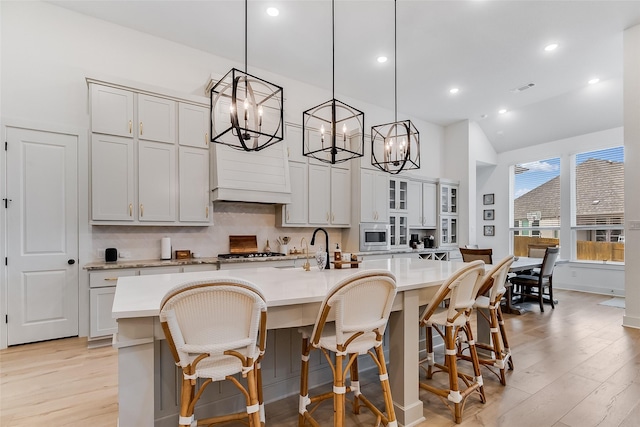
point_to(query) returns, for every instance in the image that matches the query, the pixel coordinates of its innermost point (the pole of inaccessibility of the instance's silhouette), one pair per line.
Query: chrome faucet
(326, 243)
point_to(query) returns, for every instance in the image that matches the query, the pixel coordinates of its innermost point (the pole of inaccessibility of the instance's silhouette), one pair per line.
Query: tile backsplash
(142, 243)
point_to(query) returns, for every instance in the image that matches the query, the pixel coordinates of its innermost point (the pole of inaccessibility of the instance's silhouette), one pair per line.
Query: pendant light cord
(395, 58)
(333, 49)
(246, 25)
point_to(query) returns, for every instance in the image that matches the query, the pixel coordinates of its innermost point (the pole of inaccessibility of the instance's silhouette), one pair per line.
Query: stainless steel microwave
(375, 237)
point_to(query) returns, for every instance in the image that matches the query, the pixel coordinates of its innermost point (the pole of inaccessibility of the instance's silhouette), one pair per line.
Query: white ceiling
(486, 48)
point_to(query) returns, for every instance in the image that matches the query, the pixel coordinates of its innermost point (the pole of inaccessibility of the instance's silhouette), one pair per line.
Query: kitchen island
(293, 298)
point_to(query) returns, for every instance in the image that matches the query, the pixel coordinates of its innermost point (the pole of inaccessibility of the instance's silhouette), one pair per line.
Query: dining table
(293, 299)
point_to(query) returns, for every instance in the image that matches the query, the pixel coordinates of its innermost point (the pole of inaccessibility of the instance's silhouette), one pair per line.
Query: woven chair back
(484, 255)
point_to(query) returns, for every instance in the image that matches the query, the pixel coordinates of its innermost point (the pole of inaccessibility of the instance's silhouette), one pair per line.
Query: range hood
(248, 176)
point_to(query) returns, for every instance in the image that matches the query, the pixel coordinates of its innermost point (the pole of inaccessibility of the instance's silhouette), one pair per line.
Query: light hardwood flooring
(575, 366)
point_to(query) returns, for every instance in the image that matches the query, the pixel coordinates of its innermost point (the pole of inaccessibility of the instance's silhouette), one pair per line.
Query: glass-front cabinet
(398, 194)
(448, 231)
(399, 230)
(448, 199)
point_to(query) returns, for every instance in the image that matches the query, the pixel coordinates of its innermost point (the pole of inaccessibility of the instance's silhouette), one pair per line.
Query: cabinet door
(429, 203)
(367, 196)
(319, 198)
(156, 119)
(340, 197)
(156, 181)
(397, 194)
(112, 180)
(193, 169)
(193, 125)
(414, 189)
(100, 306)
(111, 111)
(293, 138)
(380, 197)
(296, 211)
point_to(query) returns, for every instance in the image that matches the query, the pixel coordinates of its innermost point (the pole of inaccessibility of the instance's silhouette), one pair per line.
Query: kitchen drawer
(160, 270)
(199, 267)
(101, 279)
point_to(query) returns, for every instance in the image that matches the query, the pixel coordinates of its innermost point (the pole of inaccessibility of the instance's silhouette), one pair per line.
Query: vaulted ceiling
(487, 49)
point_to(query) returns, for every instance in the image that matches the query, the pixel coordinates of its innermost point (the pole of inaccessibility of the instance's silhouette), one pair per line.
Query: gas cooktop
(250, 255)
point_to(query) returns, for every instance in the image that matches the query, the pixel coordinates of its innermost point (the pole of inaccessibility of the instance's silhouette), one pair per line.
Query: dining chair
(361, 304)
(461, 289)
(487, 304)
(472, 254)
(216, 330)
(533, 285)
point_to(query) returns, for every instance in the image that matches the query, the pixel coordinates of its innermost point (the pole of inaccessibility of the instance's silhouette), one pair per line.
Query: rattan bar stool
(215, 330)
(361, 304)
(461, 289)
(487, 305)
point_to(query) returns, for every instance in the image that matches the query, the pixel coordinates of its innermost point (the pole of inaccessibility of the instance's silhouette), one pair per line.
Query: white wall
(632, 171)
(47, 53)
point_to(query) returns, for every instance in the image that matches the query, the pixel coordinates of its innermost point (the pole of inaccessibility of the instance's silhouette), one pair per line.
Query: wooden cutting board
(243, 244)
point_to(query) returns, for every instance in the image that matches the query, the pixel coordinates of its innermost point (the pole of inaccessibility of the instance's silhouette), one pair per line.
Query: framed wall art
(489, 230)
(487, 199)
(489, 214)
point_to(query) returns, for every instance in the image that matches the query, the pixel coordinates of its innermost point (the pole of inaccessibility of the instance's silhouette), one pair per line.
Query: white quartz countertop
(140, 296)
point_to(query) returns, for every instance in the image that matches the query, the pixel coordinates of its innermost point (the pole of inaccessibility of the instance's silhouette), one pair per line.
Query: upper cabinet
(156, 119)
(111, 111)
(448, 199)
(329, 196)
(398, 193)
(138, 175)
(423, 204)
(373, 196)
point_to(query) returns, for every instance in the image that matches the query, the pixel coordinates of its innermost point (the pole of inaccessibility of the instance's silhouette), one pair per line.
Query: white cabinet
(340, 197)
(373, 196)
(100, 304)
(156, 181)
(399, 230)
(422, 204)
(448, 230)
(293, 139)
(134, 159)
(329, 195)
(448, 199)
(112, 178)
(193, 170)
(398, 194)
(295, 213)
(193, 125)
(111, 111)
(156, 119)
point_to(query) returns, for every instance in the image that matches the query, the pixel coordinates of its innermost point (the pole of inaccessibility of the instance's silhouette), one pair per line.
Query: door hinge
(6, 144)
(6, 260)
(6, 203)
(6, 318)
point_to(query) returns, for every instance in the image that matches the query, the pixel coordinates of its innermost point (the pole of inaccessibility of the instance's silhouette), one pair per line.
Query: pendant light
(246, 111)
(395, 146)
(333, 132)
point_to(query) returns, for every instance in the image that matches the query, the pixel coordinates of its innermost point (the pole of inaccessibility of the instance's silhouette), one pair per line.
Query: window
(599, 205)
(536, 205)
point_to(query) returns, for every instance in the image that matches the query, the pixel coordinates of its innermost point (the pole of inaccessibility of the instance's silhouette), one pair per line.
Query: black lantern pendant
(246, 111)
(333, 132)
(395, 146)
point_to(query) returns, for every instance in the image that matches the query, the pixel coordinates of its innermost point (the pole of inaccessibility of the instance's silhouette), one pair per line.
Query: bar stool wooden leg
(386, 388)
(505, 340)
(339, 390)
(430, 355)
(304, 382)
(354, 383)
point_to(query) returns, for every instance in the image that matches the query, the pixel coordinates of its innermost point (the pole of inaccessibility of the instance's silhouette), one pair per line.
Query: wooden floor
(575, 366)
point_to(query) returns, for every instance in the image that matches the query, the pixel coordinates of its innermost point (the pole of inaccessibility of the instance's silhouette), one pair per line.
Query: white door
(42, 236)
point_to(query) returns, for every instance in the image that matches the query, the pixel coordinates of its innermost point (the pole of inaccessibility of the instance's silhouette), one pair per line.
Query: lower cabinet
(100, 303)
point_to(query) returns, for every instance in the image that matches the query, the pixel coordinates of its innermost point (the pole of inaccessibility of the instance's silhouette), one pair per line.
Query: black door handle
(71, 261)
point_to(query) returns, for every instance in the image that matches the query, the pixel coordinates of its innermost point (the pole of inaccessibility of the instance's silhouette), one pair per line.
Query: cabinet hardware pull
(141, 129)
(141, 210)
(130, 209)
(287, 216)
(327, 216)
(110, 279)
(207, 209)
(206, 138)
(333, 217)
(288, 152)
(130, 126)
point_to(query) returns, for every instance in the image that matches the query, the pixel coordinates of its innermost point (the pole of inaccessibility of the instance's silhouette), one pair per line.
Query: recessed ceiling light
(382, 59)
(454, 90)
(550, 47)
(502, 111)
(593, 81)
(272, 11)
